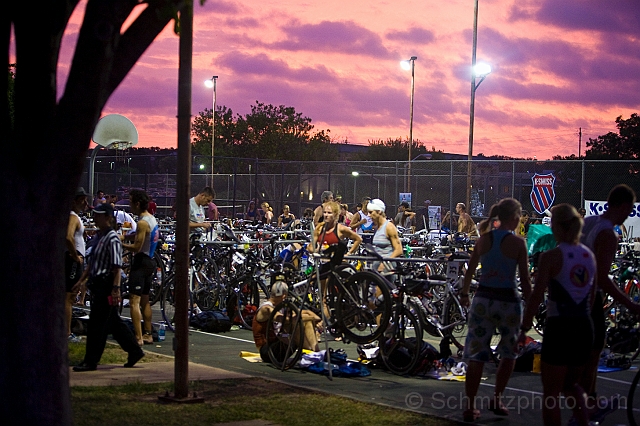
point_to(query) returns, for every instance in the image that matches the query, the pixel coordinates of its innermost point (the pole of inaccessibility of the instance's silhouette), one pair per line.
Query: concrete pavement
(146, 372)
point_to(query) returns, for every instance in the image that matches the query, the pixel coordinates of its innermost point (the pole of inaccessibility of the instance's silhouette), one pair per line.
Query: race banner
(596, 208)
(542, 193)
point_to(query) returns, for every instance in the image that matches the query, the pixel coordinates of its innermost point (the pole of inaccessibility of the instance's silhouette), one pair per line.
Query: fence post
(582, 186)
(451, 210)
(256, 183)
(235, 186)
(299, 198)
(513, 179)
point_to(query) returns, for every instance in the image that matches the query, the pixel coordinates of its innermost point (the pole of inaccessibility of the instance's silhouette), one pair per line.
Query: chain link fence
(443, 182)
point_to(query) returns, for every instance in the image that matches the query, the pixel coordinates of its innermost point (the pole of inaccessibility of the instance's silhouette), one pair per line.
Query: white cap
(376, 204)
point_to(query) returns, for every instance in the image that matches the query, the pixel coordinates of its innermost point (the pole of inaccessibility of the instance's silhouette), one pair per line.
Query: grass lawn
(230, 400)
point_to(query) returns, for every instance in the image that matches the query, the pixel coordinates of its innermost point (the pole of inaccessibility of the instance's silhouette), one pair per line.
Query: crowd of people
(574, 275)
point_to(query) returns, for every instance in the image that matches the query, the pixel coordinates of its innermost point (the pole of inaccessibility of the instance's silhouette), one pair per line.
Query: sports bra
(330, 238)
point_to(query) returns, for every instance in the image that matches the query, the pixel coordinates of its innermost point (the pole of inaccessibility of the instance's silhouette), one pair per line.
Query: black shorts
(141, 275)
(567, 341)
(72, 271)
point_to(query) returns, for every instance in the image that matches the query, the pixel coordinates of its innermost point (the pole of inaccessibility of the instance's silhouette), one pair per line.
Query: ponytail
(485, 225)
(506, 209)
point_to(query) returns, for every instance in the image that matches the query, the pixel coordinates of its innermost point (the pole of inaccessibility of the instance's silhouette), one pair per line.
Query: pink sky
(557, 66)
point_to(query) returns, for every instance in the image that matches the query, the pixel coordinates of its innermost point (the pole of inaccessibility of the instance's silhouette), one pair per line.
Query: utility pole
(579, 141)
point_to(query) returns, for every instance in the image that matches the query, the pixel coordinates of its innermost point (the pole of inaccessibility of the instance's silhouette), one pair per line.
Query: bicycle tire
(633, 407)
(453, 314)
(286, 329)
(124, 280)
(459, 332)
(250, 296)
(363, 307)
(167, 303)
(158, 279)
(401, 345)
(540, 318)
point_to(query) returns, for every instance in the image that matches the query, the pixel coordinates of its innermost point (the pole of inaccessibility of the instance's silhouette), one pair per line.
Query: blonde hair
(567, 223)
(335, 207)
(505, 210)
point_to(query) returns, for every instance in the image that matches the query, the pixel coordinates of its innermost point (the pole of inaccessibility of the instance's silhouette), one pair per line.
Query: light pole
(410, 64)
(355, 175)
(211, 83)
(477, 71)
(417, 157)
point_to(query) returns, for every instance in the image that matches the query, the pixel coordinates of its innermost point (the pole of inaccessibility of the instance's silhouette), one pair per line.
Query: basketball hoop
(113, 131)
(122, 150)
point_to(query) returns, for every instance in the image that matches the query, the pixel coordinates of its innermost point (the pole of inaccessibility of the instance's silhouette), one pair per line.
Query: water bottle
(161, 332)
(304, 262)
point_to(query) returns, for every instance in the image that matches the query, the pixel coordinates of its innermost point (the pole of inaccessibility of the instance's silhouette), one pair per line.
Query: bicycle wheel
(155, 292)
(285, 332)
(401, 344)
(455, 321)
(540, 318)
(124, 294)
(250, 295)
(206, 293)
(633, 402)
(363, 307)
(167, 303)
(456, 326)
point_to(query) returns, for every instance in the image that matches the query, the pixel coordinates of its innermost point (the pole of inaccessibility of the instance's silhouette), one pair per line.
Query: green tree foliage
(622, 145)
(267, 132)
(396, 150)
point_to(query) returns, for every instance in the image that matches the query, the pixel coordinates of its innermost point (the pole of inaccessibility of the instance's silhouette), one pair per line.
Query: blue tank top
(151, 241)
(498, 271)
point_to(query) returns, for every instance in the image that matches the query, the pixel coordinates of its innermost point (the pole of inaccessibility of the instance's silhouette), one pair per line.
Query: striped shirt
(106, 255)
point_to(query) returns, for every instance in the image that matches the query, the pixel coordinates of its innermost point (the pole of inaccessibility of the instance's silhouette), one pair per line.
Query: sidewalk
(146, 372)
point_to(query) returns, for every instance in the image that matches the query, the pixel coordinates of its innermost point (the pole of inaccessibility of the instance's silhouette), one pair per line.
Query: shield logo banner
(542, 193)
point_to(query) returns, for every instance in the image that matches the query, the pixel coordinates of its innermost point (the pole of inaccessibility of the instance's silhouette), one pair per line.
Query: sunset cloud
(557, 67)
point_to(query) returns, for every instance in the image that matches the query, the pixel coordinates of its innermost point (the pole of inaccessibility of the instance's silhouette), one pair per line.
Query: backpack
(214, 321)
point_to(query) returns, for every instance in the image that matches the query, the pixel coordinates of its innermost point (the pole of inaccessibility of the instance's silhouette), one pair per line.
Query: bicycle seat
(228, 233)
(370, 250)
(460, 255)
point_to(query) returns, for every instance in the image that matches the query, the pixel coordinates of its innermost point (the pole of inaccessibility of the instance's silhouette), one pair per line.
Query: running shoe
(613, 403)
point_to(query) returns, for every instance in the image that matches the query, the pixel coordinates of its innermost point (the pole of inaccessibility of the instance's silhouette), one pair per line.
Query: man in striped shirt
(104, 268)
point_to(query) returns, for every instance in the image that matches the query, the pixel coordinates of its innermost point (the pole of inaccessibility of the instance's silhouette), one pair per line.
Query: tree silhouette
(40, 169)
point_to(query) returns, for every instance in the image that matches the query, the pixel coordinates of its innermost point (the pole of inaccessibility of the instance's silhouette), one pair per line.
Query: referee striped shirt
(106, 255)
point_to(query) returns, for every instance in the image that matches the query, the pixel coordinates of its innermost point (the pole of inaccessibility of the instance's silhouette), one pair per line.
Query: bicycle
(358, 306)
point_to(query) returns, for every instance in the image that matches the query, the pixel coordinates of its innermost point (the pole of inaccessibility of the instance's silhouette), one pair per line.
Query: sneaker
(82, 367)
(133, 359)
(613, 403)
(74, 339)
